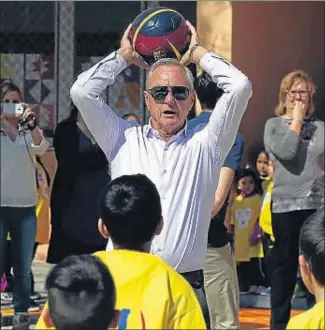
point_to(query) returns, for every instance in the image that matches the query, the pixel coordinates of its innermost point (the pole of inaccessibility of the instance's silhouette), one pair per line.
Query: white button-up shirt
(185, 169)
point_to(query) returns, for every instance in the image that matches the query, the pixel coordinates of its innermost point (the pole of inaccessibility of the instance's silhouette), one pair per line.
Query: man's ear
(304, 265)
(116, 317)
(160, 226)
(193, 98)
(147, 99)
(102, 229)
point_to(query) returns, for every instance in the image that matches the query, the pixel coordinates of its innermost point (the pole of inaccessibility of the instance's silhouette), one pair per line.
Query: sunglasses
(159, 93)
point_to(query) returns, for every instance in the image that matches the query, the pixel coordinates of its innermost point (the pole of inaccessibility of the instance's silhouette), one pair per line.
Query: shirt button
(164, 171)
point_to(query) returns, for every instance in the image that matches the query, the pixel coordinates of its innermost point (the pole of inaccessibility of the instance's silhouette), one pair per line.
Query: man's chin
(172, 126)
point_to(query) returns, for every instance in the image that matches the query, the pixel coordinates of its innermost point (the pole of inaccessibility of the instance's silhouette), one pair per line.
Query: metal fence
(45, 45)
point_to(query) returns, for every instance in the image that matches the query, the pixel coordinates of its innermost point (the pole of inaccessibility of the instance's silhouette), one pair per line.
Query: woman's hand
(36, 133)
(299, 111)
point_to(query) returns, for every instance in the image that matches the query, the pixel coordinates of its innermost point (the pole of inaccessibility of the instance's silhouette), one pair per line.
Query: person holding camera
(21, 141)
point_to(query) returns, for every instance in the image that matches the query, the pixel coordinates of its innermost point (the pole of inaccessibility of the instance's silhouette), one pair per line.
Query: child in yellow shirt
(244, 217)
(266, 214)
(311, 264)
(82, 295)
(266, 226)
(150, 293)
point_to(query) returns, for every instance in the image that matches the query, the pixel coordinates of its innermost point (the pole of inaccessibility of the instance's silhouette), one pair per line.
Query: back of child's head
(312, 245)
(131, 211)
(207, 91)
(81, 294)
(248, 172)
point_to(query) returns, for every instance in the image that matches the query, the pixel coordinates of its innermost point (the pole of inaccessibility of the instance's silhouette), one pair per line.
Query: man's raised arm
(102, 122)
(227, 114)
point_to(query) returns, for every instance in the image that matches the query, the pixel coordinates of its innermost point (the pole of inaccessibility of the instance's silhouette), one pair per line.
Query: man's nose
(169, 99)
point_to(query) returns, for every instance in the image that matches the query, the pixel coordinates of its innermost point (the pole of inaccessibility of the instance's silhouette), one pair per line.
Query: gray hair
(171, 61)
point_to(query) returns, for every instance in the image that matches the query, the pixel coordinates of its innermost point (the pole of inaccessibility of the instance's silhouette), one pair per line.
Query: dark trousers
(196, 280)
(250, 273)
(266, 262)
(286, 229)
(21, 223)
(9, 276)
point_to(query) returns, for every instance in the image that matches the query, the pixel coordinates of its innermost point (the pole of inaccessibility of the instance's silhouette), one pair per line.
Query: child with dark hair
(150, 293)
(245, 212)
(312, 269)
(131, 117)
(262, 163)
(81, 295)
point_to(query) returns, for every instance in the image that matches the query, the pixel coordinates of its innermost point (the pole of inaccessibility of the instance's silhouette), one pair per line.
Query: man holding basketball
(183, 163)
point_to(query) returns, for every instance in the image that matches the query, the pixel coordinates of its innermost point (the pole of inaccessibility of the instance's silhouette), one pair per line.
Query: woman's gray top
(298, 178)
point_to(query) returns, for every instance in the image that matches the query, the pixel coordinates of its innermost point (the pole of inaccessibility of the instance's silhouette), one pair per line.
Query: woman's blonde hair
(287, 82)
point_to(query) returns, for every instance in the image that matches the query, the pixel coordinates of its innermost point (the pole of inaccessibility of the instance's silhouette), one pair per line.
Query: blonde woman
(18, 195)
(294, 140)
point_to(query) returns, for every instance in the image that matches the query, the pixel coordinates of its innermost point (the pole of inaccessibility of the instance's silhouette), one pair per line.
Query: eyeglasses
(302, 93)
(159, 93)
(11, 101)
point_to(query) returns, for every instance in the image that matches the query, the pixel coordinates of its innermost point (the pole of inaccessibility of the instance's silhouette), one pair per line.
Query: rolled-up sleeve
(101, 120)
(226, 116)
(280, 140)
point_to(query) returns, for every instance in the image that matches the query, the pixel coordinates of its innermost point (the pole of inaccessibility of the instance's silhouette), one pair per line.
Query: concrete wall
(268, 40)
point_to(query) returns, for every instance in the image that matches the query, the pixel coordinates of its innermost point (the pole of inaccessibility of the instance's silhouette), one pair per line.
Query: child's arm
(232, 196)
(256, 234)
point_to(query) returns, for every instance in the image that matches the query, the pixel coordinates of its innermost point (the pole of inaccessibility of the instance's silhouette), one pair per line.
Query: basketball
(159, 32)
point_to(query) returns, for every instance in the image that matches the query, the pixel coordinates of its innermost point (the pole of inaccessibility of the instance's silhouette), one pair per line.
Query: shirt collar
(149, 130)
(204, 114)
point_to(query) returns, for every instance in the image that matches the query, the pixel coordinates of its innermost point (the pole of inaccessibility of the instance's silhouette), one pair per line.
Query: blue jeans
(21, 223)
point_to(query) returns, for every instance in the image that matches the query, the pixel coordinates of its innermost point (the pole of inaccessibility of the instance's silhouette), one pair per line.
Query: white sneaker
(6, 298)
(263, 291)
(253, 289)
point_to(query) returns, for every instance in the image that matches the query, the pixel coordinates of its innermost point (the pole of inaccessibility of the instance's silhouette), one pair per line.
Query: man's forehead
(167, 73)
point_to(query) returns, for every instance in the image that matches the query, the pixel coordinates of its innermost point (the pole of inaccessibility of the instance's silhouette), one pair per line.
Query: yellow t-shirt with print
(311, 319)
(266, 214)
(150, 294)
(244, 214)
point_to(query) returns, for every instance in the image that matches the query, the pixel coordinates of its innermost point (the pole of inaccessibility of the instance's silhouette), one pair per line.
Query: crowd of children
(147, 293)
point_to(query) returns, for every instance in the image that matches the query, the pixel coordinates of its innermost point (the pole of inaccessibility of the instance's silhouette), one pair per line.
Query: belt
(194, 277)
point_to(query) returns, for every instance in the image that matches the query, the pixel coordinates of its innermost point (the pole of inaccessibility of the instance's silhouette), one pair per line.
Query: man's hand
(195, 50)
(128, 53)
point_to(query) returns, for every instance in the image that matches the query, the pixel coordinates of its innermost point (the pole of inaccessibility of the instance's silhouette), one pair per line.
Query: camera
(12, 108)
(28, 124)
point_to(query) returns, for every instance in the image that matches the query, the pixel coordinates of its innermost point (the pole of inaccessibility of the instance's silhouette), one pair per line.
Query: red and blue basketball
(159, 32)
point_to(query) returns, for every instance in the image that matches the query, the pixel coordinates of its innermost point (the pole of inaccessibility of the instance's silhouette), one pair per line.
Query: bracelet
(192, 51)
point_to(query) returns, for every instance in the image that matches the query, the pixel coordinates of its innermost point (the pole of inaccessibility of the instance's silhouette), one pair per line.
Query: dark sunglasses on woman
(159, 93)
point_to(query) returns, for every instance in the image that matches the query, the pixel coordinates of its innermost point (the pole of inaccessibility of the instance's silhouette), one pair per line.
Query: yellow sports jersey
(266, 215)
(150, 294)
(311, 319)
(244, 214)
